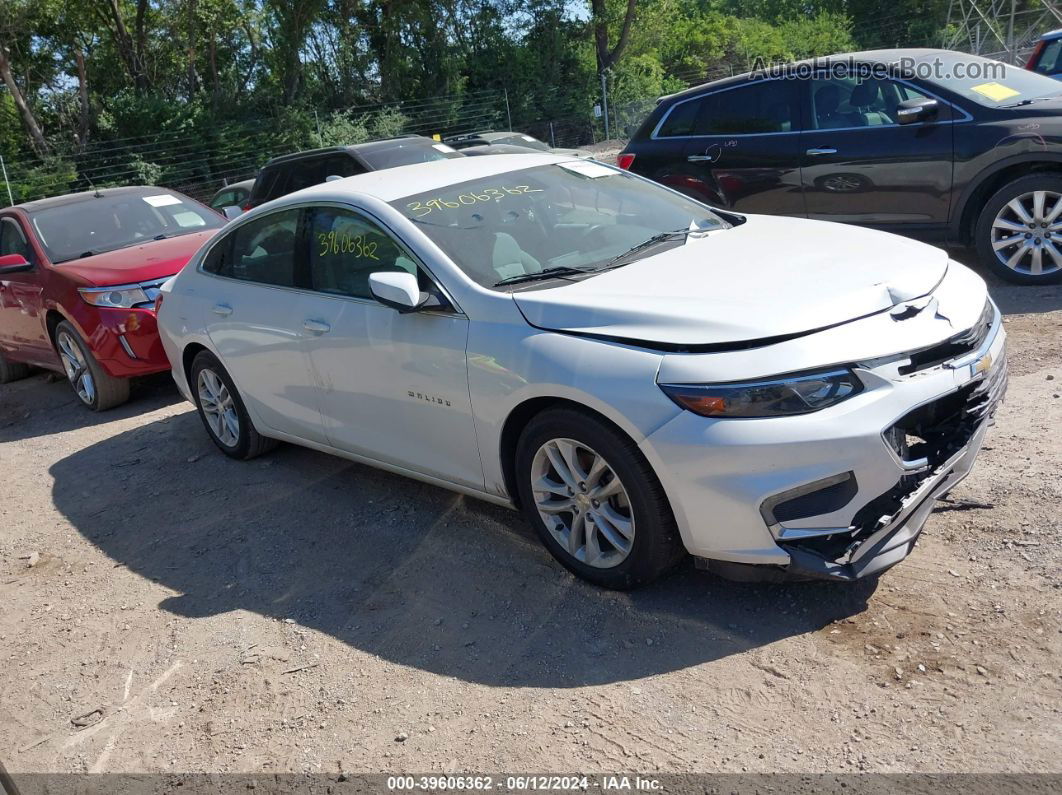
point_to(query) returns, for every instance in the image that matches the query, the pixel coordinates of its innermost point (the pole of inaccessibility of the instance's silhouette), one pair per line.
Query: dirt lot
(165, 609)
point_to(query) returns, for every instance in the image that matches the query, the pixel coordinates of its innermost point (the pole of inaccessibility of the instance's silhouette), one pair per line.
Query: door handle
(699, 158)
(316, 327)
(822, 151)
(224, 310)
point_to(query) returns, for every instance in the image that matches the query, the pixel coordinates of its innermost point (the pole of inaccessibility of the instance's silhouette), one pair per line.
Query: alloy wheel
(583, 503)
(77, 370)
(218, 407)
(1027, 233)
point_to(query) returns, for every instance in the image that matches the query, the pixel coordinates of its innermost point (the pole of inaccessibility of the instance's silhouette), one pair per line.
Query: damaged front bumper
(841, 494)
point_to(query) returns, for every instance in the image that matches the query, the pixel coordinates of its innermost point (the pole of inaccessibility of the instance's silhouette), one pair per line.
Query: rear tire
(620, 532)
(222, 410)
(94, 387)
(1016, 227)
(12, 371)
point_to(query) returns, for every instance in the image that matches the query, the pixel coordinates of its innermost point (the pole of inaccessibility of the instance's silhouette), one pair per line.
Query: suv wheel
(1019, 232)
(95, 388)
(594, 501)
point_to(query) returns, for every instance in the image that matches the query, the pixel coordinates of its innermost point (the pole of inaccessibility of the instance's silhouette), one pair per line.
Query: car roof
(1052, 34)
(497, 149)
(368, 146)
(484, 134)
(245, 184)
(890, 56)
(395, 183)
(74, 198)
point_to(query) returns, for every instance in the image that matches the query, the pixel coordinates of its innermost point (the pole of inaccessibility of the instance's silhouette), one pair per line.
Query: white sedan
(644, 376)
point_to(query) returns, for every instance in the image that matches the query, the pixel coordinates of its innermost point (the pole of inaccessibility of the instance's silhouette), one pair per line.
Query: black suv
(289, 173)
(933, 144)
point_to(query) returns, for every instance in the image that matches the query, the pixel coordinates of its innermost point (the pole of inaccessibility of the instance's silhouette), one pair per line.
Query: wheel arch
(191, 350)
(977, 193)
(521, 416)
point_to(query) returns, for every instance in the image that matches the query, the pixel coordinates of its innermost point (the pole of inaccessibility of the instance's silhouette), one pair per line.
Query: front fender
(509, 365)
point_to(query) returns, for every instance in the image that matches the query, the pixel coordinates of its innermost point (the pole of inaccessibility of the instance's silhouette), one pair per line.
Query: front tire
(594, 500)
(94, 386)
(1019, 232)
(222, 410)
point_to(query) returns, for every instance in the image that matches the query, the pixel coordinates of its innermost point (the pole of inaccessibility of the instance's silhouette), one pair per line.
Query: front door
(861, 166)
(742, 148)
(391, 386)
(254, 318)
(23, 333)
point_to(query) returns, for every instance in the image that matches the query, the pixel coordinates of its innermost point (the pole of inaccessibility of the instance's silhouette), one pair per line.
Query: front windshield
(992, 83)
(576, 216)
(111, 221)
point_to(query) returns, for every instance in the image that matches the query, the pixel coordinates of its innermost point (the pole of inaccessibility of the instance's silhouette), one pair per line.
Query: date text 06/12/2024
(525, 783)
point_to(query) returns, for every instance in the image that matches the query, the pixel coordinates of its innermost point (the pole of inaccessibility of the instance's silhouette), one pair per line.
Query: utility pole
(1012, 51)
(10, 198)
(604, 101)
(507, 113)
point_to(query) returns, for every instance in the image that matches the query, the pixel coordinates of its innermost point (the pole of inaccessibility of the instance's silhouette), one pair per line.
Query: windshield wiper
(549, 273)
(662, 237)
(1031, 100)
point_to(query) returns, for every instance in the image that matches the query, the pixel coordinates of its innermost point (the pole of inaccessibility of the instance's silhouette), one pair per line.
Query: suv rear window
(407, 153)
(289, 176)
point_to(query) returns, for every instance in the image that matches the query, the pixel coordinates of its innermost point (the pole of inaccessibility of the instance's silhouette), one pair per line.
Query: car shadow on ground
(43, 404)
(411, 573)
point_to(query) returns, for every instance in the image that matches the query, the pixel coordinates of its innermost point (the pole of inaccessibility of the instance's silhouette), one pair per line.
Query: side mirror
(232, 211)
(913, 110)
(14, 263)
(398, 290)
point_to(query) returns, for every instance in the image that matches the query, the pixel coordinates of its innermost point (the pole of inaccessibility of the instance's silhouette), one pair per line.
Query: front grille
(952, 348)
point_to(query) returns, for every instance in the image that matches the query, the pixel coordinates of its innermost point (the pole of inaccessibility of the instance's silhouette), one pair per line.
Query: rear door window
(768, 106)
(265, 251)
(761, 107)
(13, 241)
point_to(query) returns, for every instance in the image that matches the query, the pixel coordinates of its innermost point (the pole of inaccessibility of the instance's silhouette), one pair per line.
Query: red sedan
(78, 280)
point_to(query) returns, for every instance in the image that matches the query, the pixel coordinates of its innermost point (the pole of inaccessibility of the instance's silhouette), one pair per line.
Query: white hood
(768, 277)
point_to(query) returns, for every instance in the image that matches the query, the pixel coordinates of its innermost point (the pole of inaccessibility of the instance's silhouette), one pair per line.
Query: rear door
(23, 333)
(254, 319)
(861, 166)
(740, 147)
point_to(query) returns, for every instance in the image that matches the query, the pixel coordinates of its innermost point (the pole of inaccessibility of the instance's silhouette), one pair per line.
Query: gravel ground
(166, 609)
